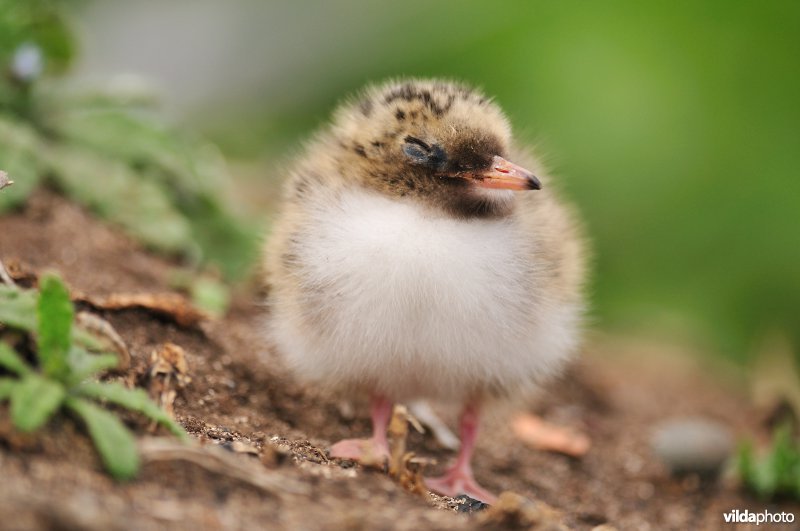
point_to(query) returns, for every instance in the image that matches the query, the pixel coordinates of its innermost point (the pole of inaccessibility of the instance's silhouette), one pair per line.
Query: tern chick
(419, 256)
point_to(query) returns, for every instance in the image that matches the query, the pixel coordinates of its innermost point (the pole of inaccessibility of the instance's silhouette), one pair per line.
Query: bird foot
(368, 452)
(457, 481)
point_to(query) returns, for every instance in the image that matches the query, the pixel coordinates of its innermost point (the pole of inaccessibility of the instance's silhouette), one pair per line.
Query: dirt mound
(242, 400)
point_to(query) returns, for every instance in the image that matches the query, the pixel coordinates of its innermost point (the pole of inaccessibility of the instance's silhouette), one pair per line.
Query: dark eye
(422, 153)
(416, 150)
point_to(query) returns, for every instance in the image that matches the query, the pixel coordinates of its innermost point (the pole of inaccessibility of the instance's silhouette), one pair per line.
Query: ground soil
(616, 393)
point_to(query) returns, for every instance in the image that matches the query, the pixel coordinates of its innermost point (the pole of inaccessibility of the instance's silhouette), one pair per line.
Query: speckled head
(439, 142)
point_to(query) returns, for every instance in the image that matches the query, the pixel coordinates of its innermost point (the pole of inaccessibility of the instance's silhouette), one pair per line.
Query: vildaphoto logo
(763, 517)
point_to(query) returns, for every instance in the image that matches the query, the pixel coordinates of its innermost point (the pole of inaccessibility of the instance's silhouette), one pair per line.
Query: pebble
(469, 505)
(692, 444)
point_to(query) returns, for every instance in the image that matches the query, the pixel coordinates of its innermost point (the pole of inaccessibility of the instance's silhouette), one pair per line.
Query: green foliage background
(109, 151)
(674, 125)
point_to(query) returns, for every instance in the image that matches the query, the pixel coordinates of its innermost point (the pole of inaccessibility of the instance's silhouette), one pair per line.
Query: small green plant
(64, 380)
(777, 472)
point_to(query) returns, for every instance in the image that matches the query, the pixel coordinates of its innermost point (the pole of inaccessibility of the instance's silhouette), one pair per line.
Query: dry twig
(99, 326)
(4, 180)
(4, 276)
(224, 464)
(403, 466)
(427, 416)
(168, 365)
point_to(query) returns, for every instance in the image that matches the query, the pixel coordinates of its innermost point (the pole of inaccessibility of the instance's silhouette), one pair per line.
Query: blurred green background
(674, 125)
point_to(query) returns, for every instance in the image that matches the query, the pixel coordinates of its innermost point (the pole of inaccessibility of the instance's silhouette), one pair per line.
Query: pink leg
(375, 449)
(458, 479)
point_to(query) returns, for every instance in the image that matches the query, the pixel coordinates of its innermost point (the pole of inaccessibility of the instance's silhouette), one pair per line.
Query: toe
(348, 449)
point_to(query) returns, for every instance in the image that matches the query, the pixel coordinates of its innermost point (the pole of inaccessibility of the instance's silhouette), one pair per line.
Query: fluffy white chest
(399, 257)
(412, 304)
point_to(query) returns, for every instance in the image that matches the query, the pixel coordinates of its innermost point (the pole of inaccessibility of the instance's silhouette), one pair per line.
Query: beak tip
(503, 174)
(534, 183)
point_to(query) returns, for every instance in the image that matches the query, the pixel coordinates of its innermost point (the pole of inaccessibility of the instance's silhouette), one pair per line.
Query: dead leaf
(170, 360)
(19, 273)
(404, 466)
(397, 434)
(411, 476)
(4, 276)
(542, 435)
(168, 370)
(171, 305)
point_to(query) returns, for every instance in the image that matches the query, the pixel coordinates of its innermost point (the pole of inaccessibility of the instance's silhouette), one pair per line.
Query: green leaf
(744, 461)
(764, 480)
(118, 193)
(225, 240)
(754, 475)
(114, 442)
(207, 293)
(192, 167)
(133, 399)
(776, 473)
(782, 460)
(33, 401)
(12, 361)
(7, 386)
(18, 308)
(190, 171)
(83, 364)
(55, 314)
(89, 340)
(19, 148)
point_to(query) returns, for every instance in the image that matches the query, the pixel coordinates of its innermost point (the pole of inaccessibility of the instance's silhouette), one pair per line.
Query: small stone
(692, 445)
(469, 505)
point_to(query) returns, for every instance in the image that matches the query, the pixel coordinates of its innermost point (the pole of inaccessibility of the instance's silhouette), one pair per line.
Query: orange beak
(505, 175)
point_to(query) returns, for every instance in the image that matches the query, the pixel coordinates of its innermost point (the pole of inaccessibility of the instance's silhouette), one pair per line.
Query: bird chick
(415, 258)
